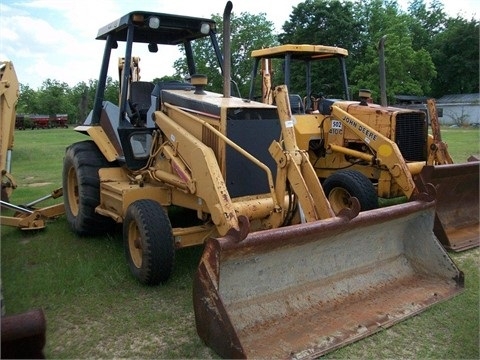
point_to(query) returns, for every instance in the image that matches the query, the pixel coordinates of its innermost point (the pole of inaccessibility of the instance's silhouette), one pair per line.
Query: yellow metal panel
(101, 139)
(9, 93)
(117, 192)
(302, 51)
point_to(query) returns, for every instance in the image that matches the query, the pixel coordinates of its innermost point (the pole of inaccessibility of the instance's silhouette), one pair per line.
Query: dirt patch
(39, 184)
(468, 255)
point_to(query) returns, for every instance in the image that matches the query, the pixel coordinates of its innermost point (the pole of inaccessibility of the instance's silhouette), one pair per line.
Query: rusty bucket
(304, 290)
(457, 217)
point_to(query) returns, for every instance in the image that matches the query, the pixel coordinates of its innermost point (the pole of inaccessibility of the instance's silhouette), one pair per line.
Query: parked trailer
(40, 121)
(59, 120)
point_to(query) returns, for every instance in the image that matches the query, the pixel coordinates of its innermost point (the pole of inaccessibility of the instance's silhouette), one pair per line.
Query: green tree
(166, 78)
(112, 90)
(248, 32)
(53, 98)
(408, 71)
(27, 101)
(322, 22)
(358, 26)
(82, 96)
(455, 54)
(425, 22)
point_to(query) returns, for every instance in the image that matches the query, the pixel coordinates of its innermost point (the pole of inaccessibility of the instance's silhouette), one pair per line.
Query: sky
(55, 39)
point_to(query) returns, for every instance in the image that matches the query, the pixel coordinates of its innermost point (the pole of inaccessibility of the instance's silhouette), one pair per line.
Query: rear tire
(342, 185)
(148, 242)
(81, 188)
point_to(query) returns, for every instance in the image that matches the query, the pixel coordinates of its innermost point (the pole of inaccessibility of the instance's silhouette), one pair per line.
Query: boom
(9, 93)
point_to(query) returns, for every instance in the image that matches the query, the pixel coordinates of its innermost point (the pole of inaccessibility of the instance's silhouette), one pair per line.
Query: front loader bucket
(457, 217)
(304, 290)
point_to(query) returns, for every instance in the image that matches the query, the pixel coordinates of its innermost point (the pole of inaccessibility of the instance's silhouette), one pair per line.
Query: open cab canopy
(158, 28)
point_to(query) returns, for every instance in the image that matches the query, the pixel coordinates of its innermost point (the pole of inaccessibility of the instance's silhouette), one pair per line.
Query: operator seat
(140, 100)
(296, 104)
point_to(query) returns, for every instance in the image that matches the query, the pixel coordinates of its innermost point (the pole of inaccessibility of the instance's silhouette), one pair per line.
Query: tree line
(427, 53)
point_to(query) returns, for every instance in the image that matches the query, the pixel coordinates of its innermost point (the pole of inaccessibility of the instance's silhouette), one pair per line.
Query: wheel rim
(135, 244)
(339, 199)
(72, 191)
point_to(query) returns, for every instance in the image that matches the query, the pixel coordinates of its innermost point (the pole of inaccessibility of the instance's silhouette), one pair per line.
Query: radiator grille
(211, 140)
(411, 136)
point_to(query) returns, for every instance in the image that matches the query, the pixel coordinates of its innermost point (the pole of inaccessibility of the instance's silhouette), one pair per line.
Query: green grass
(96, 309)
(462, 143)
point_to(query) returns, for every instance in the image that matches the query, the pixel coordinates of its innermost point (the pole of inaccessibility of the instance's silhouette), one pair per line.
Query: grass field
(95, 309)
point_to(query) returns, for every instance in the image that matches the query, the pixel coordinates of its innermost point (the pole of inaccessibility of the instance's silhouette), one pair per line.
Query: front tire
(148, 242)
(81, 188)
(344, 184)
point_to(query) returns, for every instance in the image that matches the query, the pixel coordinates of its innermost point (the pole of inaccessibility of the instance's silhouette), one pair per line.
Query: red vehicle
(40, 121)
(60, 120)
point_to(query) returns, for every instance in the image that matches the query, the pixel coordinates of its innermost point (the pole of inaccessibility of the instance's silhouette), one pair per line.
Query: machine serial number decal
(336, 128)
(336, 124)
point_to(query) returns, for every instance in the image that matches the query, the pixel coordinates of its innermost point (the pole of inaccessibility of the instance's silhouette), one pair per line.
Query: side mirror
(152, 47)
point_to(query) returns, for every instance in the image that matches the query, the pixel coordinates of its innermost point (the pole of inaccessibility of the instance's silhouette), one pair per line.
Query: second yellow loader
(367, 150)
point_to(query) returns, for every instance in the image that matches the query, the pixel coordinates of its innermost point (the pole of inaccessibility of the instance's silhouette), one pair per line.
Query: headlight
(154, 22)
(205, 28)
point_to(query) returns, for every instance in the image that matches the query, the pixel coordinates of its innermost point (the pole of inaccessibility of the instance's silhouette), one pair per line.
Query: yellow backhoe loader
(371, 151)
(281, 274)
(28, 216)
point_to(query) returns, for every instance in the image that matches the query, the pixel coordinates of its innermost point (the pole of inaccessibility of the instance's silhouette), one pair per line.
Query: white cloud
(56, 38)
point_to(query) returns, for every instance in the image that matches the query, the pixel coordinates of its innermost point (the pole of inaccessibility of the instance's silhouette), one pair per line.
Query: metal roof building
(459, 109)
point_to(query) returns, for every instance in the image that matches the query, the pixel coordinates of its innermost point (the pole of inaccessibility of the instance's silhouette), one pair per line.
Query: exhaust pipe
(227, 66)
(383, 78)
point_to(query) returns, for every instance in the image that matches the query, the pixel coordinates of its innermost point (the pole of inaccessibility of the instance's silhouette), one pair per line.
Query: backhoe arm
(294, 166)
(386, 151)
(9, 93)
(438, 150)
